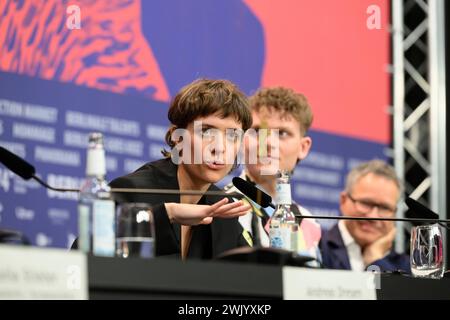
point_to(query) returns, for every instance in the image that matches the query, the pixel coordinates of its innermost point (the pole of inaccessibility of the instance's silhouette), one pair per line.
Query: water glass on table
(427, 251)
(135, 235)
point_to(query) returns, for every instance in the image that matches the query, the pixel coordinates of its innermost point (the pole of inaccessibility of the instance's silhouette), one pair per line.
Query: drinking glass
(135, 236)
(427, 252)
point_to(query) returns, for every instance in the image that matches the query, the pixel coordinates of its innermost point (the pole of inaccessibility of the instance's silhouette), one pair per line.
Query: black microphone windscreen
(419, 211)
(16, 164)
(251, 191)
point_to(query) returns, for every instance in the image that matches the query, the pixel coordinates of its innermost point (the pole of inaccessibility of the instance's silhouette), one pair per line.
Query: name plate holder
(319, 284)
(42, 274)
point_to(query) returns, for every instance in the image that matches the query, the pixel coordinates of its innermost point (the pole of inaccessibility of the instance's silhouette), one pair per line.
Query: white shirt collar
(345, 234)
(353, 249)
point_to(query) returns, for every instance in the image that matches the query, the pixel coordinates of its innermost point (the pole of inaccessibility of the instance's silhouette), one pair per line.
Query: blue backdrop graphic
(50, 102)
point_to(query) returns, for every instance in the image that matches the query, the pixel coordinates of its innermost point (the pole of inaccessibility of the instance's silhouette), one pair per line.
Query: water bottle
(96, 214)
(283, 228)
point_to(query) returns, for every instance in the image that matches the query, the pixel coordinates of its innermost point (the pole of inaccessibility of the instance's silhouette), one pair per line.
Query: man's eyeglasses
(366, 206)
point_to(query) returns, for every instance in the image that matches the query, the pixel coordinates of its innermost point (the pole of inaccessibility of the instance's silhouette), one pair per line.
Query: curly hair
(286, 101)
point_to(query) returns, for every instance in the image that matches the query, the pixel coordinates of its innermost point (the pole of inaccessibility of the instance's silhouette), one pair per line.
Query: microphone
(419, 210)
(422, 214)
(16, 164)
(27, 171)
(253, 192)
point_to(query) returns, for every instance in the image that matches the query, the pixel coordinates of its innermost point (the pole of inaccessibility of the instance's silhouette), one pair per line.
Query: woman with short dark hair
(208, 119)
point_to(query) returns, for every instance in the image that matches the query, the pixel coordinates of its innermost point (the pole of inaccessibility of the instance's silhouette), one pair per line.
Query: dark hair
(205, 97)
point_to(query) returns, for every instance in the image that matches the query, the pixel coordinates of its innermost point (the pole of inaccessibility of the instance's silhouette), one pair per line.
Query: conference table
(36, 273)
(164, 278)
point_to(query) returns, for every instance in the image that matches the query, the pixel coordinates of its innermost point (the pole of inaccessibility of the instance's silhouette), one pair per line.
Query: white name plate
(315, 284)
(36, 273)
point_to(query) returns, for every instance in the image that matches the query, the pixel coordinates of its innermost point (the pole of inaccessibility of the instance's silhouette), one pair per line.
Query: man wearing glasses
(372, 190)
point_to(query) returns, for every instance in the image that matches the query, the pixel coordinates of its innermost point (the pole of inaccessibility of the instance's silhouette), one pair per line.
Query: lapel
(338, 251)
(166, 178)
(219, 229)
(216, 224)
(167, 174)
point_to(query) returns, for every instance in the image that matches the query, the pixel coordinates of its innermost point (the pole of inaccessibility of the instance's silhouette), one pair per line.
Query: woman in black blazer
(208, 119)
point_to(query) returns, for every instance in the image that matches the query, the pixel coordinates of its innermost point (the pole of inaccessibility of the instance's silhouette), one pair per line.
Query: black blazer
(207, 241)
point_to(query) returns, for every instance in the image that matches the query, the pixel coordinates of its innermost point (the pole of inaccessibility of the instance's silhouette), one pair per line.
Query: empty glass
(427, 252)
(135, 236)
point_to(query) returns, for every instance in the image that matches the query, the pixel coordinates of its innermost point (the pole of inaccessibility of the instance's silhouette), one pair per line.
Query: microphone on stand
(419, 210)
(421, 213)
(253, 192)
(282, 257)
(27, 171)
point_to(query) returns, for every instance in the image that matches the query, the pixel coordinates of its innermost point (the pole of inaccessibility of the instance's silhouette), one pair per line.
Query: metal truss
(419, 114)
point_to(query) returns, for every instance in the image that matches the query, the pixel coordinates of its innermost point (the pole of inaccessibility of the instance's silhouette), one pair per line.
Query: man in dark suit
(372, 190)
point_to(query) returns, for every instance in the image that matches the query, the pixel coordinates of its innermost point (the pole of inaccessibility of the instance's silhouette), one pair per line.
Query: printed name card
(314, 284)
(36, 273)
